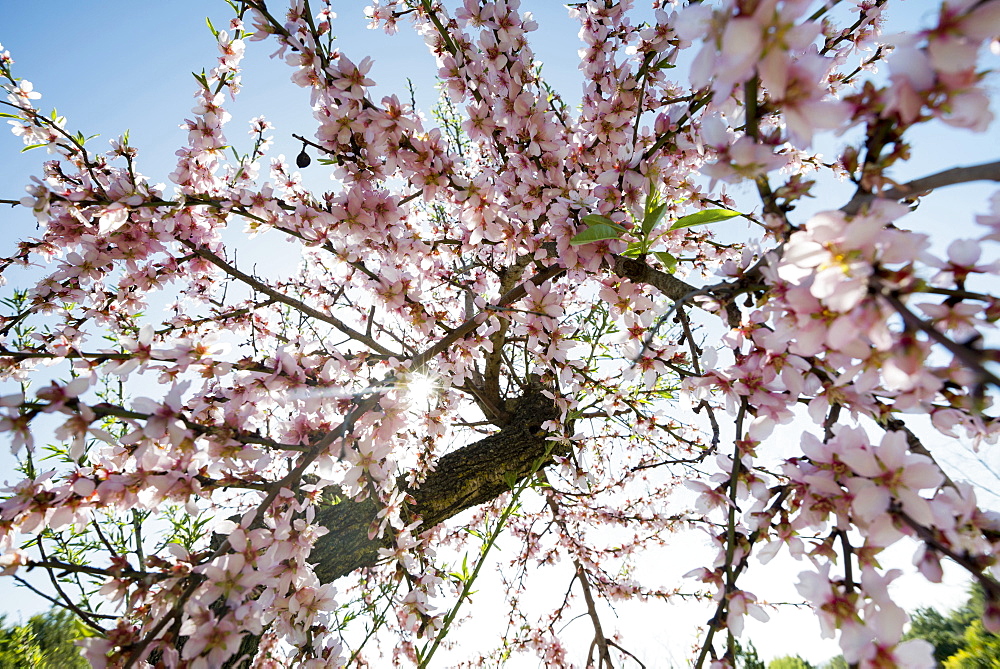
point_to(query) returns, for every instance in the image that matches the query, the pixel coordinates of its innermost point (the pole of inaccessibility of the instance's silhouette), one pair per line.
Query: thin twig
(285, 299)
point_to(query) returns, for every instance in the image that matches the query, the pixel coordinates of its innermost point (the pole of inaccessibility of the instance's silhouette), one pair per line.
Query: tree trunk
(472, 475)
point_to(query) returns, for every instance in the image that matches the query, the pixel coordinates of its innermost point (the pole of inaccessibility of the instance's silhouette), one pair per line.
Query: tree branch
(472, 475)
(285, 299)
(951, 177)
(669, 285)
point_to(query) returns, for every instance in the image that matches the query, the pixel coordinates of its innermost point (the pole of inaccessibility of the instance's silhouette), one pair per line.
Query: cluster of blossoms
(502, 316)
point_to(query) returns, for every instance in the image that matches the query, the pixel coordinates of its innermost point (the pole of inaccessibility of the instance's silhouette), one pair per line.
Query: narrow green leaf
(597, 219)
(594, 219)
(31, 146)
(215, 33)
(635, 249)
(669, 262)
(652, 218)
(653, 198)
(703, 217)
(595, 233)
(6, 115)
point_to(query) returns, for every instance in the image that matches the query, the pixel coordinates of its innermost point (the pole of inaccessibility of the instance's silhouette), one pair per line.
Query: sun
(421, 388)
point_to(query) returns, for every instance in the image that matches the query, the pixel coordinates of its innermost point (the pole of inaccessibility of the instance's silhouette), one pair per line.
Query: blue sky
(120, 65)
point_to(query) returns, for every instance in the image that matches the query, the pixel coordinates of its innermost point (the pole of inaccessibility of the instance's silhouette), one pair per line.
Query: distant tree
(959, 639)
(837, 663)
(46, 641)
(747, 658)
(945, 632)
(789, 662)
(982, 649)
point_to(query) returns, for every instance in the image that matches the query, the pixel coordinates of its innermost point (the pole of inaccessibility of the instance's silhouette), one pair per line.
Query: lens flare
(421, 388)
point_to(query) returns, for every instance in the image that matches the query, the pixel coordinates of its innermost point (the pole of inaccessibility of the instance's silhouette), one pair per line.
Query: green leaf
(669, 262)
(704, 217)
(596, 233)
(215, 33)
(652, 218)
(83, 140)
(597, 219)
(635, 249)
(653, 197)
(6, 115)
(31, 146)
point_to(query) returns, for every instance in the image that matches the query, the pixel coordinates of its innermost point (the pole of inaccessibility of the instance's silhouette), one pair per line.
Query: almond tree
(514, 326)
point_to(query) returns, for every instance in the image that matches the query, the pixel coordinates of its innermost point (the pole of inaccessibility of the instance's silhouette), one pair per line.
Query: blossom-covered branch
(293, 467)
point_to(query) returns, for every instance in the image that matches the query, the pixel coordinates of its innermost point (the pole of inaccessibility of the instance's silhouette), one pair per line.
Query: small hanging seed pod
(303, 159)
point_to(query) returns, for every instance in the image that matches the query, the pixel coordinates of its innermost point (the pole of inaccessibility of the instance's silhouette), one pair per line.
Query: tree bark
(472, 475)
